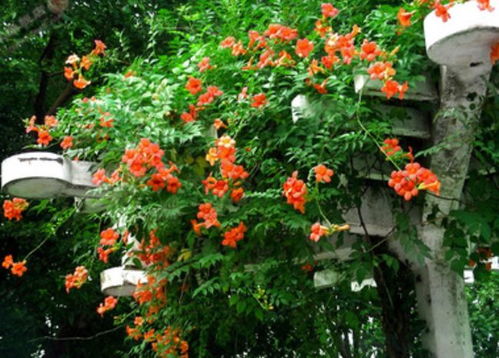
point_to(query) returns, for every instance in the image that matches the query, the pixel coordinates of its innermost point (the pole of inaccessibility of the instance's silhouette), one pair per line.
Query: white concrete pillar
(462, 47)
(442, 304)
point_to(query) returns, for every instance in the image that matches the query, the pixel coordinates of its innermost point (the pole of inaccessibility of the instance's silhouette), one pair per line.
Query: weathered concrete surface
(465, 38)
(329, 278)
(419, 91)
(405, 121)
(377, 214)
(36, 175)
(340, 252)
(121, 281)
(441, 291)
(462, 47)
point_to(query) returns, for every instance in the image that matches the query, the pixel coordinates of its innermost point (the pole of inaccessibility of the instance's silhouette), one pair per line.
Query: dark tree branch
(394, 290)
(48, 54)
(68, 92)
(78, 338)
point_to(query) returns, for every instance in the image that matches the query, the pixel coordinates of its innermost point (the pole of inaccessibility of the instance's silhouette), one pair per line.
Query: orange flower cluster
(404, 17)
(140, 160)
(204, 65)
(308, 267)
(268, 57)
(150, 291)
(67, 142)
(484, 254)
(104, 253)
(109, 304)
(100, 177)
(271, 53)
(228, 42)
(323, 174)
(219, 124)
(153, 252)
(328, 10)
(232, 236)
(195, 86)
(485, 5)
(225, 150)
(369, 51)
(322, 28)
(384, 72)
(295, 192)
(169, 344)
(391, 88)
(145, 156)
(76, 65)
(217, 187)
(164, 179)
(133, 332)
(43, 131)
(207, 213)
(304, 47)
(413, 178)
(190, 116)
(317, 231)
(280, 33)
(494, 53)
(12, 209)
(259, 100)
(108, 238)
(342, 44)
(442, 10)
(232, 174)
(16, 268)
(77, 279)
(106, 123)
(209, 96)
(391, 146)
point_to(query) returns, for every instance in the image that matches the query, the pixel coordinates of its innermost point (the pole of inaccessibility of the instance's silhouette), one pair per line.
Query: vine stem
(319, 205)
(379, 243)
(369, 134)
(78, 338)
(36, 248)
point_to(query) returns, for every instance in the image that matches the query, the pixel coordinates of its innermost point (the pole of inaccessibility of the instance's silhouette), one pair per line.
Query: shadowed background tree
(37, 315)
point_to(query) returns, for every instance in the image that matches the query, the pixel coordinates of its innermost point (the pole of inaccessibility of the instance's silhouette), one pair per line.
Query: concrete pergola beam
(376, 214)
(419, 91)
(412, 123)
(330, 277)
(121, 281)
(41, 175)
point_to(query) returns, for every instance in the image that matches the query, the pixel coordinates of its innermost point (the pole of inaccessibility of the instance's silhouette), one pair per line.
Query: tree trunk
(394, 290)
